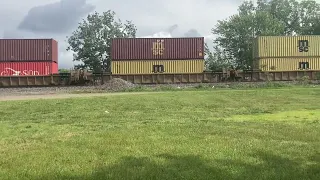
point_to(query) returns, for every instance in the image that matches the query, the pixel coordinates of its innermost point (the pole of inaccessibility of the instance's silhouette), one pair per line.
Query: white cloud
(158, 35)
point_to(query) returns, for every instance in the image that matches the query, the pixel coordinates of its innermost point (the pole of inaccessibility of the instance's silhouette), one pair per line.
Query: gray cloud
(52, 19)
(59, 17)
(172, 28)
(192, 33)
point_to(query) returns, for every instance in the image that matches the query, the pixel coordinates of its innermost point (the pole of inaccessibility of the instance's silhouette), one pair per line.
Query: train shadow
(165, 166)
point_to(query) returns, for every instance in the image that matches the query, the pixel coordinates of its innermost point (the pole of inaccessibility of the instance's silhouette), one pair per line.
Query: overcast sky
(57, 19)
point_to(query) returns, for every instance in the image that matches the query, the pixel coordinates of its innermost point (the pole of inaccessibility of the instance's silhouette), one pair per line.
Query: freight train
(286, 53)
(87, 78)
(28, 57)
(157, 55)
(186, 55)
(142, 56)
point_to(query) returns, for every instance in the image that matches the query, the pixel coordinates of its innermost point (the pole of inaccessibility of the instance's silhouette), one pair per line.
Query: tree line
(233, 44)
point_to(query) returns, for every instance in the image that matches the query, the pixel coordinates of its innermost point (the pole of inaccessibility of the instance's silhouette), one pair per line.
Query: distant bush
(304, 80)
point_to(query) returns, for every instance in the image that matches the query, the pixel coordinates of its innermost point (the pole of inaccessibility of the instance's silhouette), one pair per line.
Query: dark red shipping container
(12, 50)
(157, 48)
(28, 68)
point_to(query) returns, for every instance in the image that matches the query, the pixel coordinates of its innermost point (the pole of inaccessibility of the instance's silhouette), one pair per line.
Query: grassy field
(212, 134)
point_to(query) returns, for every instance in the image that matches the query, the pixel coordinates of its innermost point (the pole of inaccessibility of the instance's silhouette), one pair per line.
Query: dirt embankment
(63, 96)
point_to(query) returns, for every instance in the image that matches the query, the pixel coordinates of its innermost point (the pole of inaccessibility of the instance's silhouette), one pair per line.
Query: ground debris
(116, 84)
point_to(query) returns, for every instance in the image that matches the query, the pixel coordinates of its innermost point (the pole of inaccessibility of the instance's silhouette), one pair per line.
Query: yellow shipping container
(288, 64)
(286, 46)
(157, 66)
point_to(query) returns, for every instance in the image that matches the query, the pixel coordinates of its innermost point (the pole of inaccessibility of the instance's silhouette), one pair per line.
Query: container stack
(157, 55)
(28, 57)
(287, 53)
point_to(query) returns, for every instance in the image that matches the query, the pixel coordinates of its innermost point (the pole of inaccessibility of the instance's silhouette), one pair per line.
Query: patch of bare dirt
(64, 96)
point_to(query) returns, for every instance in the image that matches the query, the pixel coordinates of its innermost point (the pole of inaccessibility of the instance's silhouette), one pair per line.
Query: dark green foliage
(233, 44)
(91, 42)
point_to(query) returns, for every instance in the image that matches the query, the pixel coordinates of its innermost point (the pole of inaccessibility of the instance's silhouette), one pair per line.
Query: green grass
(218, 134)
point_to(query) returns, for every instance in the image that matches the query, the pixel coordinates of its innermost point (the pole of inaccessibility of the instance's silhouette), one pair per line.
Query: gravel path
(63, 96)
(62, 90)
(42, 90)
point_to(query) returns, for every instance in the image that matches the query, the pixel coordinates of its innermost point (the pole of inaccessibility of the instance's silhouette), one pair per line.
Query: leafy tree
(287, 13)
(267, 17)
(91, 41)
(63, 70)
(217, 59)
(235, 35)
(309, 13)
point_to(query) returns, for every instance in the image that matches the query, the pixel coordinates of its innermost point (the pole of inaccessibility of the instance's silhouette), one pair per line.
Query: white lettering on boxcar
(7, 71)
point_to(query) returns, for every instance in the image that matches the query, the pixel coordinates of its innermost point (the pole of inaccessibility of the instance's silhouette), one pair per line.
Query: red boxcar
(157, 48)
(28, 68)
(12, 50)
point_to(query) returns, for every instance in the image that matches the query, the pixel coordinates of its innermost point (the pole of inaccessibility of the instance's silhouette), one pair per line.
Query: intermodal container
(288, 64)
(157, 48)
(12, 50)
(28, 68)
(158, 66)
(287, 46)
